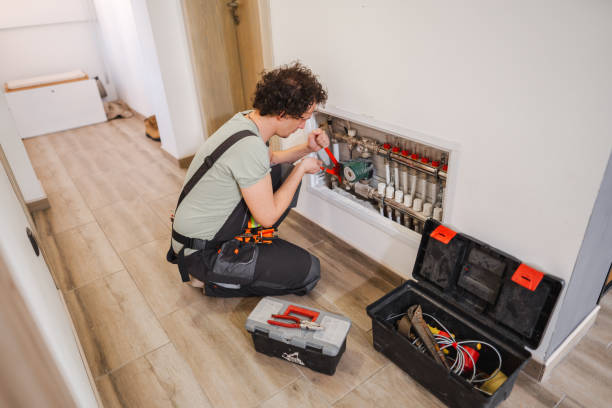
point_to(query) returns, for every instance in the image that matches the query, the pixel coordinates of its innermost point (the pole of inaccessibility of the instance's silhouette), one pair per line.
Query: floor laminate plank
(299, 394)
(79, 163)
(165, 206)
(86, 255)
(89, 162)
(53, 176)
(606, 301)
(160, 379)
(102, 189)
(358, 362)
(155, 180)
(139, 156)
(585, 375)
(601, 331)
(158, 280)
(64, 142)
(113, 136)
(67, 210)
(129, 224)
(348, 284)
(114, 322)
(357, 260)
(50, 251)
(390, 387)
(529, 393)
(92, 137)
(41, 151)
(133, 130)
(133, 127)
(210, 335)
(568, 402)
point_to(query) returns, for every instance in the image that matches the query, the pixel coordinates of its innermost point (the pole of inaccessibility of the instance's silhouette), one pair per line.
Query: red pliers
(337, 169)
(297, 322)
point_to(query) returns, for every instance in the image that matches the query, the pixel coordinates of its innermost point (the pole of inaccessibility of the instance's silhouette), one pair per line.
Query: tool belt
(257, 234)
(230, 257)
(232, 261)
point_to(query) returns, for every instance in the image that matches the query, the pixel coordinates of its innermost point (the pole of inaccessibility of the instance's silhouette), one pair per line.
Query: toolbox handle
(527, 277)
(302, 312)
(443, 234)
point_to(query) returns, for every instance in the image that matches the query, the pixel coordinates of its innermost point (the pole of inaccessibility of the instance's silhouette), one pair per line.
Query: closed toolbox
(319, 350)
(474, 292)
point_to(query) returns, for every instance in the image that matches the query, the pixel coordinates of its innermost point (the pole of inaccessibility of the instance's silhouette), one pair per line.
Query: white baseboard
(568, 345)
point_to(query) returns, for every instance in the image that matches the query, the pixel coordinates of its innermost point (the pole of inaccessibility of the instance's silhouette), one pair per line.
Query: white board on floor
(55, 108)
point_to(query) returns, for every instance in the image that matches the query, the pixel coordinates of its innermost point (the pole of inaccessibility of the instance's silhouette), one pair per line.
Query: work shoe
(151, 129)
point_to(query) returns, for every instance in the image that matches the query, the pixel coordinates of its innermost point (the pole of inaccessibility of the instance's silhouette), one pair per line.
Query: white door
(34, 281)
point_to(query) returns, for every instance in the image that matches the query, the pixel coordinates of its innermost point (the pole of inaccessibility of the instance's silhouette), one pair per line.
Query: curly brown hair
(288, 90)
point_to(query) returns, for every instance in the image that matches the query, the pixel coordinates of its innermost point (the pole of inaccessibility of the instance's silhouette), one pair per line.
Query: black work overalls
(262, 269)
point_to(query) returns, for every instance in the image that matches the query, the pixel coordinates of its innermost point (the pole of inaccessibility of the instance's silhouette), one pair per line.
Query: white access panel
(55, 108)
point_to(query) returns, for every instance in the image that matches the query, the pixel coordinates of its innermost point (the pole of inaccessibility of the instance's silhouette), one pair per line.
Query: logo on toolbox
(293, 357)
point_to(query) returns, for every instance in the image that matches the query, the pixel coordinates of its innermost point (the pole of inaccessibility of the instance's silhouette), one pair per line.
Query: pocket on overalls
(235, 263)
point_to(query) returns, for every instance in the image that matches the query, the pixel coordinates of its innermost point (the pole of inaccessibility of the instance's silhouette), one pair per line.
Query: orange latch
(443, 234)
(527, 276)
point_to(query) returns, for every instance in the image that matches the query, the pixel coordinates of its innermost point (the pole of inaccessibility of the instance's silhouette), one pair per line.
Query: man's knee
(314, 274)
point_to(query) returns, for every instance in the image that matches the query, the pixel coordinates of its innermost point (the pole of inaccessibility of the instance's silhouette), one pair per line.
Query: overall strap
(210, 160)
(196, 243)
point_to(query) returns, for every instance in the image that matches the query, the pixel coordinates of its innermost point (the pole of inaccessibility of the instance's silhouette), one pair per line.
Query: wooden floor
(152, 341)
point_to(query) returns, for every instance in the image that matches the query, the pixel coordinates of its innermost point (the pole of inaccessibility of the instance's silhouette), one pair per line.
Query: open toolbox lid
(509, 298)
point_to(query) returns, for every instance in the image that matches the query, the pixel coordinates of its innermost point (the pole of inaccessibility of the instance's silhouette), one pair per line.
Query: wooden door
(226, 43)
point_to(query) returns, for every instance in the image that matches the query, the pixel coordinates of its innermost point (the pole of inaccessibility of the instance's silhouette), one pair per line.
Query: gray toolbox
(319, 350)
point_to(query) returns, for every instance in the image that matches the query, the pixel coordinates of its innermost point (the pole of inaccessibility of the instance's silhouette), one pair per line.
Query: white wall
(38, 37)
(37, 12)
(17, 156)
(121, 47)
(524, 89)
(170, 41)
(146, 45)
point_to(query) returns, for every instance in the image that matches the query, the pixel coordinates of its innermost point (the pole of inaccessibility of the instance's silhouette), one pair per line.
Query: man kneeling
(237, 192)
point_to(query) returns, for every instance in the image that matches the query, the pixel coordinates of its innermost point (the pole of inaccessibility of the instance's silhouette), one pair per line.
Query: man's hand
(317, 140)
(266, 205)
(310, 165)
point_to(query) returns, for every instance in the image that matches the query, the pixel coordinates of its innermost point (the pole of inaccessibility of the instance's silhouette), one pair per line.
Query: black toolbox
(478, 293)
(319, 350)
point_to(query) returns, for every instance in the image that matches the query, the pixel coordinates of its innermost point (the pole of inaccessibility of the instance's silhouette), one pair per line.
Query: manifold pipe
(374, 146)
(398, 206)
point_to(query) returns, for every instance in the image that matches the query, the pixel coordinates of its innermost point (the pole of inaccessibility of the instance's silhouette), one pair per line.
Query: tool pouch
(235, 263)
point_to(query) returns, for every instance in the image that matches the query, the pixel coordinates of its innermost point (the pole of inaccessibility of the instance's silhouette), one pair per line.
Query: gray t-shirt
(206, 208)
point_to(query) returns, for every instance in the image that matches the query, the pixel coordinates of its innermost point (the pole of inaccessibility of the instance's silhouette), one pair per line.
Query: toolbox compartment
(318, 350)
(309, 356)
(472, 289)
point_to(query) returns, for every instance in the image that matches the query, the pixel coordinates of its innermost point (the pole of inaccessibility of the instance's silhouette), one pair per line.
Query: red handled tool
(296, 322)
(336, 170)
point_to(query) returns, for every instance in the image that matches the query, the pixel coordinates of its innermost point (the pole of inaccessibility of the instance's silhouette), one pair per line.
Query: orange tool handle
(302, 312)
(331, 156)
